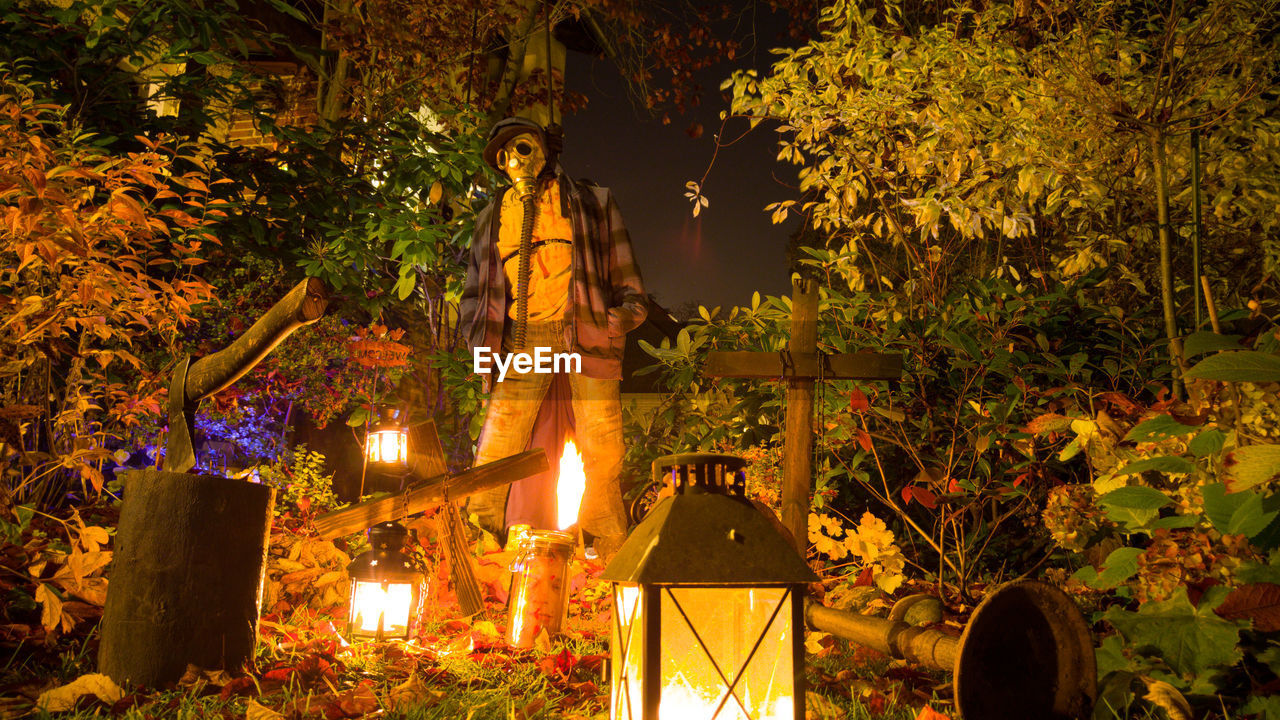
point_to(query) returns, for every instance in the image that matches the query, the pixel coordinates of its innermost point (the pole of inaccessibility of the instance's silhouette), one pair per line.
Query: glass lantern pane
(628, 639)
(388, 446)
(393, 602)
(727, 649)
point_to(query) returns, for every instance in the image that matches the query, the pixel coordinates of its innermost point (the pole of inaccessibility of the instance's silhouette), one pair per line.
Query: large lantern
(387, 445)
(385, 588)
(708, 604)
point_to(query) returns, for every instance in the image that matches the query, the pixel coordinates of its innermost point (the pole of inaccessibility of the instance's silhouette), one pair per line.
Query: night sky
(731, 249)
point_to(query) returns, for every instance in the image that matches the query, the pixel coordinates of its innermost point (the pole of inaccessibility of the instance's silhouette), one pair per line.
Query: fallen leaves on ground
(1164, 695)
(928, 713)
(61, 699)
(304, 571)
(257, 711)
(305, 670)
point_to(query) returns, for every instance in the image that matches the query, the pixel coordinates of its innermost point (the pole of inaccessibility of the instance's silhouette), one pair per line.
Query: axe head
(179, 449)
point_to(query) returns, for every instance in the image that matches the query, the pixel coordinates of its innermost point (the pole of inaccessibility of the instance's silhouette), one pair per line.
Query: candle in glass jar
(539, 597)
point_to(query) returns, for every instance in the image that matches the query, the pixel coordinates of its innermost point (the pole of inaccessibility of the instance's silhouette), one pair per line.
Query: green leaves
(1207, 442)
(1203, 342)
(1136, 498)
(1191, 640)
(1243, 366)
(1158, 428)
(1119, 566)
(1133, 507)
(1166, 464)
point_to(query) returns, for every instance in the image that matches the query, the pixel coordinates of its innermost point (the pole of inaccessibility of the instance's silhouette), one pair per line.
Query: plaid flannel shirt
(608, 294)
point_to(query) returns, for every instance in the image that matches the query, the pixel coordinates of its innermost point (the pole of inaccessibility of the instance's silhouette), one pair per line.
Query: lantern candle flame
(681, 702)
(381, 606)
(389, 445)
(570, 487)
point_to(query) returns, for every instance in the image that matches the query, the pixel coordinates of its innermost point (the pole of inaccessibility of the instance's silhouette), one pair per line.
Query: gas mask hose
(522, 275)
(522, 159)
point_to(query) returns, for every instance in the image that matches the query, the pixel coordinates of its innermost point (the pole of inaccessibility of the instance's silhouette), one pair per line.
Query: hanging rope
(551, 108)
(822, 408)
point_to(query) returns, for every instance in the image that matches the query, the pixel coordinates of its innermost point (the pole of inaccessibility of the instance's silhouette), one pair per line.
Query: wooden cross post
(802, 365)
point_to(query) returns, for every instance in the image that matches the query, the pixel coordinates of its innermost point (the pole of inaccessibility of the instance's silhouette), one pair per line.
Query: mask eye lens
(523, 149)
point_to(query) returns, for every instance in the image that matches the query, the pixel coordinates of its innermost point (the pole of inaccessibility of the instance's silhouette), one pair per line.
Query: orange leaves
(86, 232)
(928, 713)
(863, 438)
(413, 693)
(858, 401)
(924, 496)
(70, 587)
(50, 603)
(123, 206)
(1259, 602)
(356, 702)
(304, 571)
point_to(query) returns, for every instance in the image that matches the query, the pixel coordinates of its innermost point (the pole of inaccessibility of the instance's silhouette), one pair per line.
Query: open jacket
(608, 294)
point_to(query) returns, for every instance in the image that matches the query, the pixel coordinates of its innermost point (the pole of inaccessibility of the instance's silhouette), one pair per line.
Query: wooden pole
(797, 434)
(424, 494)
(1210, 307)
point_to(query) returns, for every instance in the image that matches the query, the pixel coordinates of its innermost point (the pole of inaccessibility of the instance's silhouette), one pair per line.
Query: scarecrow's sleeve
(628, 308)
(470, 307)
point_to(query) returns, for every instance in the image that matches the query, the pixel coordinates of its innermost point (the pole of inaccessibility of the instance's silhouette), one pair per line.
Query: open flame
(376, 602)
(680, 700)
(388, 446)
(569, 489)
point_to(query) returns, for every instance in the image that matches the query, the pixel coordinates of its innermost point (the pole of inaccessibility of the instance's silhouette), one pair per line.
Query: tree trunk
(187, 577)
(330, 91)
(516, 46)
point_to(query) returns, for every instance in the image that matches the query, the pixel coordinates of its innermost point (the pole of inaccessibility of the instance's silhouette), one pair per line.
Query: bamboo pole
(1165, 236)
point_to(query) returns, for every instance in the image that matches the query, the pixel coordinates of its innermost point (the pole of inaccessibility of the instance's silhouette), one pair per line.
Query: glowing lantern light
(708, 604)
(387, 445)
(570, 487)
(539, 598)
(385, 588)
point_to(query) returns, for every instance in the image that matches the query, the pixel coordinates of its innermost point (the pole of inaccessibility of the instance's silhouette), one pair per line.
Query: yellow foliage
(64, 698)
(870, 544)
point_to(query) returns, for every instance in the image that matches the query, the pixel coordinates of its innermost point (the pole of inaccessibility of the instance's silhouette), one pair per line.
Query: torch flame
(569, 489)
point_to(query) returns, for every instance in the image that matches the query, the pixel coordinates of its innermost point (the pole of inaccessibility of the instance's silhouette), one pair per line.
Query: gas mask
(522, 159)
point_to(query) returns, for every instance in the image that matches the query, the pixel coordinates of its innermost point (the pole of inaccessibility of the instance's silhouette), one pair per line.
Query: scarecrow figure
(552, 267)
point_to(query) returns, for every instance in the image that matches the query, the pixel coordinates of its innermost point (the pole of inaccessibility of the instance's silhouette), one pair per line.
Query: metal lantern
(387, 445)
(708, 604)
(386, 589)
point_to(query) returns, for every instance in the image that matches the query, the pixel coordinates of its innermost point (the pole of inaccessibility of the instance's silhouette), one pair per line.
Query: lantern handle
(706, 461)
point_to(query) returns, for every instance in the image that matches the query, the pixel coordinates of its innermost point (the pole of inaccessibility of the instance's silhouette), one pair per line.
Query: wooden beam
(432, 491)
(798, 417)
(764, 365)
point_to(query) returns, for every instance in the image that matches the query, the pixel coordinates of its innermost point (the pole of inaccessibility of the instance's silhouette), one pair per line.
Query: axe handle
(303, 305)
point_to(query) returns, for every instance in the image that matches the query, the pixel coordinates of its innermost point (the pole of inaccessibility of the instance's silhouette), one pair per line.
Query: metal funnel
(1026, 653)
